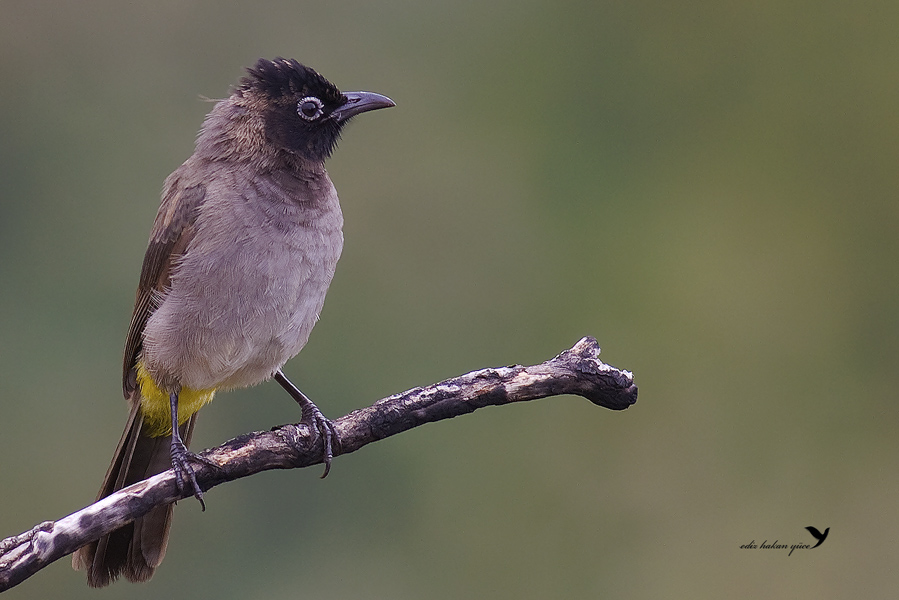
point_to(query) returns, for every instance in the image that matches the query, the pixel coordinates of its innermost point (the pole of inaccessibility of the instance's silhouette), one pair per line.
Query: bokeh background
(708, 188)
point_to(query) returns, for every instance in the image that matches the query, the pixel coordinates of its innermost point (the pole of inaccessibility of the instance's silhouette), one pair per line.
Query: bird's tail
(136, 549)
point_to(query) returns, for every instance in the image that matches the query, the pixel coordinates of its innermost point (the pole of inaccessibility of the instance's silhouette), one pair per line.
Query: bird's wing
(173, 230)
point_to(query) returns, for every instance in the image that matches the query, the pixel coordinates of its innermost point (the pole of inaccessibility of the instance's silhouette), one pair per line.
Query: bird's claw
(184, 473)
(316, 420)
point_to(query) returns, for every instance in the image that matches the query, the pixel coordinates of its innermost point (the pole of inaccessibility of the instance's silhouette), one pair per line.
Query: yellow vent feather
(156, 408)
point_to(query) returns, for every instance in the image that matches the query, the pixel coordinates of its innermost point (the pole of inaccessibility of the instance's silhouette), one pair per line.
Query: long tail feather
(138, 548)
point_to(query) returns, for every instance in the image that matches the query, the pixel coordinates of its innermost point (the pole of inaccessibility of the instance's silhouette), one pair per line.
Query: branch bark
(575, 371)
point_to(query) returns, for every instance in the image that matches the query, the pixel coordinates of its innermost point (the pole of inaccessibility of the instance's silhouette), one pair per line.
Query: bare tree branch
(576, 371)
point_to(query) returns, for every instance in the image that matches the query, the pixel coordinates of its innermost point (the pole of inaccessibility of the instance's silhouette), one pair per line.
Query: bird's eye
(310, 108)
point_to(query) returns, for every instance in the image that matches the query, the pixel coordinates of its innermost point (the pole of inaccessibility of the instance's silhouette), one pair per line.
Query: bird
(818, 535)
(239, 260)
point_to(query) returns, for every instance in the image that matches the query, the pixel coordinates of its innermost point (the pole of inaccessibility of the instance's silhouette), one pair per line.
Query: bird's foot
(184, 473)
(315, 419)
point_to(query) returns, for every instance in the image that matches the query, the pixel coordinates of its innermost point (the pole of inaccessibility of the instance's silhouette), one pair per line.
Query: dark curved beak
(360, 102)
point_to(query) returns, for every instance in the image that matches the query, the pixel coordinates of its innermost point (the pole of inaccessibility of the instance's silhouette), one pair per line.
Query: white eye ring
(310, 108)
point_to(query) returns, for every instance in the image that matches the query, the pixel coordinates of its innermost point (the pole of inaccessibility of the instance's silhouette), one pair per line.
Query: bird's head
(301, 111)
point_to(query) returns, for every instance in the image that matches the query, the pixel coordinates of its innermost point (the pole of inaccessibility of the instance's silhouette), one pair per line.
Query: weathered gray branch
(576, 371)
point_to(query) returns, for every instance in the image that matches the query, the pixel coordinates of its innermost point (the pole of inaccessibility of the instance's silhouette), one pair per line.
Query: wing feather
(172, 232)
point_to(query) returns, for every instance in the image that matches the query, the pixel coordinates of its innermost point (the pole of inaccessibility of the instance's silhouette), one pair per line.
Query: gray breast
(246, 294)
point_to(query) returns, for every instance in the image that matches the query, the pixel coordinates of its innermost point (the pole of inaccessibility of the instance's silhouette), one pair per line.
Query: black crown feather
(287, 77)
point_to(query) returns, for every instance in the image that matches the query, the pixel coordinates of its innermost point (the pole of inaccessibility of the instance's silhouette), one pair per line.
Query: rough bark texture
(576, 371)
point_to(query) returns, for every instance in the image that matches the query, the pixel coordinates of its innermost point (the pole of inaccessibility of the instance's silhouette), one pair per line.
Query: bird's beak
(360, 102)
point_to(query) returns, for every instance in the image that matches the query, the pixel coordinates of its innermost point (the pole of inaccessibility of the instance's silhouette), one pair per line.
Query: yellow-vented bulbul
(240, 257)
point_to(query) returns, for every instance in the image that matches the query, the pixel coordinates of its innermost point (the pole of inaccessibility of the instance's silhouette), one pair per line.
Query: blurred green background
(708, 188)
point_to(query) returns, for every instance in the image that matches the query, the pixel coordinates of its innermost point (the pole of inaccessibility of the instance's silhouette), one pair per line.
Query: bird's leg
(312, 417)
(184, 474)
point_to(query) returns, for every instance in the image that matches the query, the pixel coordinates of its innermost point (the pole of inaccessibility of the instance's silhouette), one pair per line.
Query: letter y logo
(818, 535)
